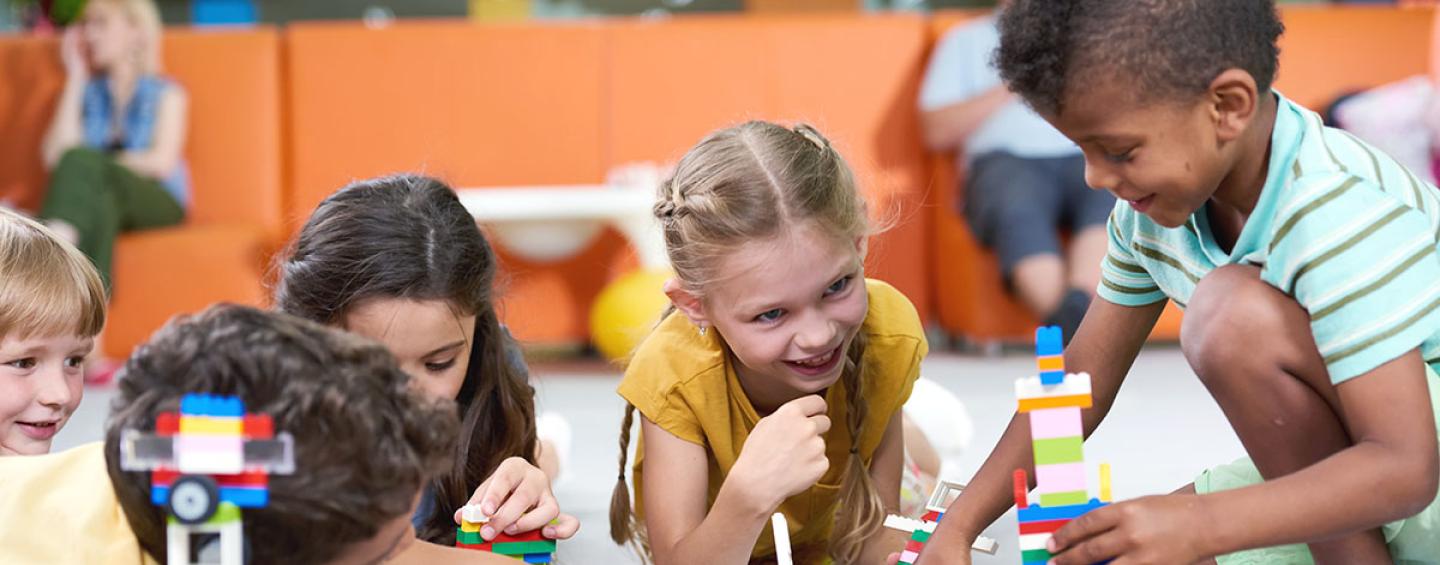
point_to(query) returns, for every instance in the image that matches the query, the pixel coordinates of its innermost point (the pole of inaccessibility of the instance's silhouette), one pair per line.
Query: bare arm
(65, 130)
(1105, 346)
(168, 143)
(420, 552)
(783, 456)
(885, 470)
(681, 531)
(947, 127)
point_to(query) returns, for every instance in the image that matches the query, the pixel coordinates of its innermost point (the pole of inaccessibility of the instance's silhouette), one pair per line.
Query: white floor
(1163, 430)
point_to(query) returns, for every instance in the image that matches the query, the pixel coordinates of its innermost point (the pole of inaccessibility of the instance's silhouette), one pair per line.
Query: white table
(551, 223)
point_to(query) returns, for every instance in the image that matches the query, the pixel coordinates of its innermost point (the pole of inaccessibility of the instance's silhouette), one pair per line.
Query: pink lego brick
(1062, 477)
(1055, 422)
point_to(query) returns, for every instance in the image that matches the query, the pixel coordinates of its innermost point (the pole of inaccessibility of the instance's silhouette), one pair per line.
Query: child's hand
(1154, 529)
(72, 54)
(517, 499)
(785, 454)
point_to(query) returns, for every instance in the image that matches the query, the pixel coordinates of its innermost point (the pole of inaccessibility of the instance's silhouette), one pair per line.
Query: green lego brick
(921, 536)
(1059, 450)
(523, 547)
(469, 537)
(225, 512)
(1035, 556)
(1052, 499)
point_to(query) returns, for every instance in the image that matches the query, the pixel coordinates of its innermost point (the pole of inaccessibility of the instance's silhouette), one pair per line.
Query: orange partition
(854, 78)
(1330, 50)
(474, 104)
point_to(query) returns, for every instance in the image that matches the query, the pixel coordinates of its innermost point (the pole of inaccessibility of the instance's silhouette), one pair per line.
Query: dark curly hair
(1162, 48)
(408, 236)
(364, 442)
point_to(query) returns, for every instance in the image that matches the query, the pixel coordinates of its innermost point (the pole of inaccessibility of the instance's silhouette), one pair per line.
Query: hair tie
(854, 450)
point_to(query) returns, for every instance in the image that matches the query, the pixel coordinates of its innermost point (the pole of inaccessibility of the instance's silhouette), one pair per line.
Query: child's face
(41, 382)
(1163, 158)
(789, 310)
(110, 36)
(428, 338)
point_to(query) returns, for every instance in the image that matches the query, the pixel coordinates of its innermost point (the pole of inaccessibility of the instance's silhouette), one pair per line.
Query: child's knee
(1230, 311)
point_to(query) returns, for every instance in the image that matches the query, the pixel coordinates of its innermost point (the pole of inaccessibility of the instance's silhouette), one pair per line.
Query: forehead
(10, 345)
(788, 267)
(1111, 107)
(408, 327)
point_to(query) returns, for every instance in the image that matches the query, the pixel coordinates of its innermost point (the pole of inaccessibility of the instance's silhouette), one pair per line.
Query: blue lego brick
(211, 405)
(538, 557)
(1048, 341)
(246, 497)
(1037, 513)
(1050, 378)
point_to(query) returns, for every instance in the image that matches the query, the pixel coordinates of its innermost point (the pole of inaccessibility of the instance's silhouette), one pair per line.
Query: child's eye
(1121, 157)
(74, 362)
(437, 367)
(770, 315)
(838, 286)
(22, 364)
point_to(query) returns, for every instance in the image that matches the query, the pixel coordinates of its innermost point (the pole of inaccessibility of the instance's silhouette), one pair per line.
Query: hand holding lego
(1153, 529)
(785, 454)
(517, 499)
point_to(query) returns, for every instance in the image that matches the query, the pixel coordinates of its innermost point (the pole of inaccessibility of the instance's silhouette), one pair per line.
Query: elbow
(1416, 479)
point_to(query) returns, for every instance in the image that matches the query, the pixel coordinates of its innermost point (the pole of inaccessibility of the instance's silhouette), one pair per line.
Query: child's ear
(1234, 102)
(686, 302)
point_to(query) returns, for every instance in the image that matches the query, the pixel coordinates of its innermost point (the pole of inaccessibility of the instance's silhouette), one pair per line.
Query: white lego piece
(473, 514)
(1074, 384)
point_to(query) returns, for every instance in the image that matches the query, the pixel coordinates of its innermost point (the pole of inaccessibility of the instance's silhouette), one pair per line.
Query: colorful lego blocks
(529, 547)
(1053, 399)
(921, 530)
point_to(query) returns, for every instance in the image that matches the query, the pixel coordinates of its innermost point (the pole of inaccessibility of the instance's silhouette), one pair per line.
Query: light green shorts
(1414, 540)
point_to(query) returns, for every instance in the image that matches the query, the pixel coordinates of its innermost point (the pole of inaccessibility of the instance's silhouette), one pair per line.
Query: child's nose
(1100, 177)
(53, 387)
(817, 334)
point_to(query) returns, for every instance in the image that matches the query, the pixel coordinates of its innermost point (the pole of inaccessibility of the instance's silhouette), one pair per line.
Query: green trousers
(102, 199)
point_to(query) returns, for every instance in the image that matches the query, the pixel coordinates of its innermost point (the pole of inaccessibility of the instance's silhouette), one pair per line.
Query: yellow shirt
(686, 384)
(60, 508)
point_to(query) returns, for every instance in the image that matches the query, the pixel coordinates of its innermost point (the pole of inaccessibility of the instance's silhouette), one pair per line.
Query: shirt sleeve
(667, 408)
(958, 67)
(1123, 280)
(1363, 264)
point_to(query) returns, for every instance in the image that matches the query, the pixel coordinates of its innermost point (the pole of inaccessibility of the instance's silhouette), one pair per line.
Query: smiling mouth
(40, 430)
(817, 361)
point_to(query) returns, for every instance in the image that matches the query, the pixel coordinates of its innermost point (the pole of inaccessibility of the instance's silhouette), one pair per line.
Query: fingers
(807, 405)
(564, 527)
(892, 559)
(1093, 550)
(537, 517)
(822, 423)
(1087, 539)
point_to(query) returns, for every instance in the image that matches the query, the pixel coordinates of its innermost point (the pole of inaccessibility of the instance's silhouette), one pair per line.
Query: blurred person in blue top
(114, 145)
(1024, 180)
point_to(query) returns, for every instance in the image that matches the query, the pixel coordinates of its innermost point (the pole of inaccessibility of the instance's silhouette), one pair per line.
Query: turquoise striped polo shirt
(1340, 227)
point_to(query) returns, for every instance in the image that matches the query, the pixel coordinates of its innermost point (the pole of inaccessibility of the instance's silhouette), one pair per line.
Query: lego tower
(1053, 400)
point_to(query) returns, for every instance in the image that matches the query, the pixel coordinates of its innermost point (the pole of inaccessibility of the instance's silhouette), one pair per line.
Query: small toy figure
(206, 462)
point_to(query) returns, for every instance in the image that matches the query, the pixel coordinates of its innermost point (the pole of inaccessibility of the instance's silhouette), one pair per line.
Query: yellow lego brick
(211, 426)
(469, 526)
(1050, 363)
(1028, 404)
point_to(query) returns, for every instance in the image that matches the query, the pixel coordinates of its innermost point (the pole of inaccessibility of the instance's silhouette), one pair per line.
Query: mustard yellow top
(60, 508)
(686, 384)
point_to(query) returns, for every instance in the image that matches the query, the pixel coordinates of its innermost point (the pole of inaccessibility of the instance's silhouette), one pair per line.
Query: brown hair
(746, 183)
(47, 287)
(408, 236)
(364, 441)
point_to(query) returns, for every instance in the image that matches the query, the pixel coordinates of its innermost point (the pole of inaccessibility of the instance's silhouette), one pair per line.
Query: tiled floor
(1163, 430)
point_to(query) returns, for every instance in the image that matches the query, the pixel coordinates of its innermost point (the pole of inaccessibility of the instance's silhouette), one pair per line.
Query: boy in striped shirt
(1308, 265)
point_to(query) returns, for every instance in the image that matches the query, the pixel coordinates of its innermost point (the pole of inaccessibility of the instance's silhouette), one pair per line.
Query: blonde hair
(146, 17)
(752, 182)
(47, 287)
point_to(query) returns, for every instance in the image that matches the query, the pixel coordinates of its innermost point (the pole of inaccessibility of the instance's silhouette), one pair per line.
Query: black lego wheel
(193, 499)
